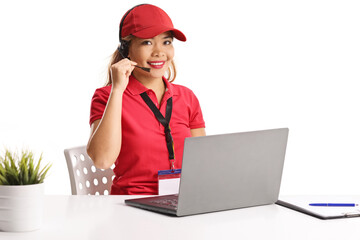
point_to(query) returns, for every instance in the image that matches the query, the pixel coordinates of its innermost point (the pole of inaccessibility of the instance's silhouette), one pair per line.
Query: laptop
(223, 172)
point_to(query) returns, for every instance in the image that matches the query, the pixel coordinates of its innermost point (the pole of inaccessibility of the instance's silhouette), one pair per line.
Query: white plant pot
(21, 207)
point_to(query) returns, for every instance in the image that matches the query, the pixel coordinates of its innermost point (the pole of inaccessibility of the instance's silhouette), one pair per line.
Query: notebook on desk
(223, 172)
(302, 204)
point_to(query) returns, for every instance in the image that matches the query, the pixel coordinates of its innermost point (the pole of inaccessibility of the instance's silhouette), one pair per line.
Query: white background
(253, 65)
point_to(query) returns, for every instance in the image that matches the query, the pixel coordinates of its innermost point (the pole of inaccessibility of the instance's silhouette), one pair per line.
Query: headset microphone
(121, 50)
(143, 68)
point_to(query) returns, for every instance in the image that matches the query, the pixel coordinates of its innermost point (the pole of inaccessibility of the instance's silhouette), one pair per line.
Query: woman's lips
(157, 64)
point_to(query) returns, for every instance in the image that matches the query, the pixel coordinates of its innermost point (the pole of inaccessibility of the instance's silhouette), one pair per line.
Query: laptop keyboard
(166, 202)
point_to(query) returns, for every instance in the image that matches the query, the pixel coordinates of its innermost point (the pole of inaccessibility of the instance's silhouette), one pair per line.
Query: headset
(124, 45)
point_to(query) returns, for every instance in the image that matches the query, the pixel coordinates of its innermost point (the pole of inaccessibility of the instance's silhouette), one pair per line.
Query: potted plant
(21, 191)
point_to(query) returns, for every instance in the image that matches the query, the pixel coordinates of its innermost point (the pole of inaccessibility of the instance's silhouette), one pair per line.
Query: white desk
(107, 217)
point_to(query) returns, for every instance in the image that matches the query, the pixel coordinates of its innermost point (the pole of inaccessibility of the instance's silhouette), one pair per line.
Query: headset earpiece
(124, 49)
(124, 45)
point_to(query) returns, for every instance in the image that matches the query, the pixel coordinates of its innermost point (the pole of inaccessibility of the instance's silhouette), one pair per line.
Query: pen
(333, 204)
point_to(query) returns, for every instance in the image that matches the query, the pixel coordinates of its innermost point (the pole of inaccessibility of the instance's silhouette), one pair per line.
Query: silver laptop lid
(231, 171)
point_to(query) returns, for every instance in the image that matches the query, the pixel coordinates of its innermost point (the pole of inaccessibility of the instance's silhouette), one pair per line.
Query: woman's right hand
(120, 73)
(105, 137)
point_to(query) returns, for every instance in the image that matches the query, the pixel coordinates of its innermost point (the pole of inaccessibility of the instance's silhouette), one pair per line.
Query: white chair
(85, 178)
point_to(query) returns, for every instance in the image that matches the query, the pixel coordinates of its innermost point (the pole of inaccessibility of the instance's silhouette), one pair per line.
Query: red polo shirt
(143, 150)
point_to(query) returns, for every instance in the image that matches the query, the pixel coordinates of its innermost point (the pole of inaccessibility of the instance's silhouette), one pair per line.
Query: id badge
(169, 181)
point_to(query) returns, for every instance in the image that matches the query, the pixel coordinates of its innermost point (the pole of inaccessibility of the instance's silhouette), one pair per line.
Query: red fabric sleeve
(98, 103)
(196, 117)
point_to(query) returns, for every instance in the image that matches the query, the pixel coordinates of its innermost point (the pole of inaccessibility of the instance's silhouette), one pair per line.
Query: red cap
(148, 21)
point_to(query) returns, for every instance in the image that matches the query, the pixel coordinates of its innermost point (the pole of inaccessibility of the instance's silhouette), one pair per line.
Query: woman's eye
(146, 43)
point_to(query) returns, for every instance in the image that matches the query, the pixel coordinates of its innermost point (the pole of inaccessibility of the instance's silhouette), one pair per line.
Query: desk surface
(107, 217)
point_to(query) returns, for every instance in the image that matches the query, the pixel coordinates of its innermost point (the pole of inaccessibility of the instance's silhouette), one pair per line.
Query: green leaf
(3, 180)
(11, 158)
(44, 172)
(31, 169)
(24, 166)
(35, 173)
(2, 170)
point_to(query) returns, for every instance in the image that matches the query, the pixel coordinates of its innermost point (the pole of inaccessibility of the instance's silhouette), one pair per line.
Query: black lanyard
(165, 121)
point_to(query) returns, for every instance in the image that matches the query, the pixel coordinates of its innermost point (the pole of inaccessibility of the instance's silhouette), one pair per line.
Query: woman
(125, 130)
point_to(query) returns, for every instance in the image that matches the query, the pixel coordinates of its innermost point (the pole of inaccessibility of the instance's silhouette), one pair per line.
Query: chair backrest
(85, 178)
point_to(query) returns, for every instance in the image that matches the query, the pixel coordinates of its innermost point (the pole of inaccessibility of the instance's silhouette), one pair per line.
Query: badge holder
(169, 181)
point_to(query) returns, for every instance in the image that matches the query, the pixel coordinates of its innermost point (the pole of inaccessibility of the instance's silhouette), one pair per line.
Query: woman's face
(155, 53)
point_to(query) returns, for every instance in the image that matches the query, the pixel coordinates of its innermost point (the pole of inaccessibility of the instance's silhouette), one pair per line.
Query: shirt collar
(136, 88)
